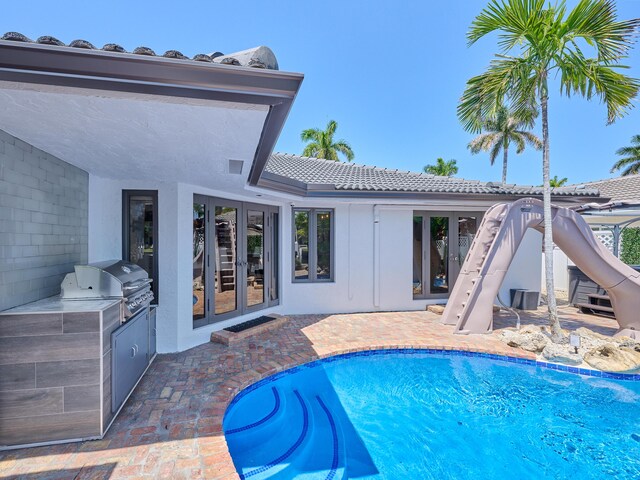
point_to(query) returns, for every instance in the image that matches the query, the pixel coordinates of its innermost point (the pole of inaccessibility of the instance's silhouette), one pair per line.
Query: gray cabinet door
(130, 348)
(152, 333)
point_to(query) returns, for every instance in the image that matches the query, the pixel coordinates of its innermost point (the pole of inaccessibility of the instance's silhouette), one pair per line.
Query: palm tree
(539, 41)
(631, 160)
(502, 129)
(442, 168)
(322, 144)
(556, 182)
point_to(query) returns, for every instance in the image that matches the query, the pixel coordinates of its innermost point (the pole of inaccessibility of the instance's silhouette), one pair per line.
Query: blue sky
(390, 73)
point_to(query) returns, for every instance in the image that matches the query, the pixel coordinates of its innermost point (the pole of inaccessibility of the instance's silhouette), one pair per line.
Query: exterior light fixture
(574, 341)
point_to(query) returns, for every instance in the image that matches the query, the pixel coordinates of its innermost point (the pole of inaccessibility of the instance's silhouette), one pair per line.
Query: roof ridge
(255, 57)
(615, 179)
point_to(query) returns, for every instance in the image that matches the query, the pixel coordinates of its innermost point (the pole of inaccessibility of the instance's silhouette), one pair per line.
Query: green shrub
(630, 251)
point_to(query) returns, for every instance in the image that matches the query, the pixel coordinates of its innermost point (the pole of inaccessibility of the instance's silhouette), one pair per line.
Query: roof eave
(109, 71)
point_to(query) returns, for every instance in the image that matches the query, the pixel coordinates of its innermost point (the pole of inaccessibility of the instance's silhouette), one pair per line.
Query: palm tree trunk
(505, 154)
(556, 331)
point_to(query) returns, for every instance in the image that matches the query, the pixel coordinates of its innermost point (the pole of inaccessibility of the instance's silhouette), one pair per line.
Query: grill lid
(125, 273)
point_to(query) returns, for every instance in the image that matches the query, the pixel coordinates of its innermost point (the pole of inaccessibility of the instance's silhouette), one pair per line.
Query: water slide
(500, 233)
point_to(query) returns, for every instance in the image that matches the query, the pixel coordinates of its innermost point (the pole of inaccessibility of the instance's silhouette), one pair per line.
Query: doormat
(241, 327)
(248, 329)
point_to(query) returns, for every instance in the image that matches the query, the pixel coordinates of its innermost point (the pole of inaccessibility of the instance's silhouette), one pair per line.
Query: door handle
(133, 352)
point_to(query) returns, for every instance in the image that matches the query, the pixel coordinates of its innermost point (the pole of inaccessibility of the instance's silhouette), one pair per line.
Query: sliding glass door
(235, 269)
(441, 241)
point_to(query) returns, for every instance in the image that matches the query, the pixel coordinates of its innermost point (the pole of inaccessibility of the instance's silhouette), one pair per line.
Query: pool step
(274, 424)
(282, 447)
(269, 462)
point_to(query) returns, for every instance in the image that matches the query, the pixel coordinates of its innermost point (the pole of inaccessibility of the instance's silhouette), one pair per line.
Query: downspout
(349, 248)
(376, 257)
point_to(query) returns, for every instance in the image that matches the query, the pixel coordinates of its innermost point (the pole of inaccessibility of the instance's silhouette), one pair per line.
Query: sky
(389, 72)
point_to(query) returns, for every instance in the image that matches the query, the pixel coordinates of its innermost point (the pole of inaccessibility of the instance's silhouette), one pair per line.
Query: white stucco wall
(525, 270)
(373, 261)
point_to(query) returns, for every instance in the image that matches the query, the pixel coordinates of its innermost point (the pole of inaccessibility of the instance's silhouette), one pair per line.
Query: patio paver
(171, 427)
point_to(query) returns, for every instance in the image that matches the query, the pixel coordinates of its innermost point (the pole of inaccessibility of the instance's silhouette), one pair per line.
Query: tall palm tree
(502, 129)
(539, 41)
(322, 144)
(442, 168)
(631, 159)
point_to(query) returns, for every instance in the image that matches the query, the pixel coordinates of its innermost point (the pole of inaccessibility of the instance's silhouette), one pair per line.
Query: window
(312, 245)
(140, 232)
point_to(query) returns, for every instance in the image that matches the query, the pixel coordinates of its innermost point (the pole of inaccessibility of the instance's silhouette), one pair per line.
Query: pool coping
(236, 388)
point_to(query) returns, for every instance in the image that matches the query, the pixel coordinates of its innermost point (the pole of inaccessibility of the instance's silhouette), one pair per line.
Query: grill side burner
(110, 279)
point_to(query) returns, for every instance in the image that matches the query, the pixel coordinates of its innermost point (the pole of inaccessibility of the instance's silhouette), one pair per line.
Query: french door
(235, 262)
(441, 241)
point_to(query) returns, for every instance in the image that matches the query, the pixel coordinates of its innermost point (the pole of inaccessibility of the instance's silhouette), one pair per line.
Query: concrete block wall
(43, 221)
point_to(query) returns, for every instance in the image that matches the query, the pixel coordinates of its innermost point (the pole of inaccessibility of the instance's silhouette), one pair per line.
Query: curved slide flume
(265, 419)
(502, 229)
(287, 454)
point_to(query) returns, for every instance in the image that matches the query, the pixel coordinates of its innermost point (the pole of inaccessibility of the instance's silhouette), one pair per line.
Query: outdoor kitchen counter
(56, 305)
(55, 370)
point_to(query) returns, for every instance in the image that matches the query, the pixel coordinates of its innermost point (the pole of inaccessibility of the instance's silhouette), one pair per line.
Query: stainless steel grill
(110, 279)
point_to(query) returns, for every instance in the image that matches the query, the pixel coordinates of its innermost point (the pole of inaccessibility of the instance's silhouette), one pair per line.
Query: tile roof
(618, 189)
(259, 57)
(352, 177)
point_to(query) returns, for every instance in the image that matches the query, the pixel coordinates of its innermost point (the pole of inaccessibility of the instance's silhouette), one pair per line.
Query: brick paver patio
(171, 427)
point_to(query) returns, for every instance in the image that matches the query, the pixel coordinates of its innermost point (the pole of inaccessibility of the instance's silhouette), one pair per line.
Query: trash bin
(524, 299)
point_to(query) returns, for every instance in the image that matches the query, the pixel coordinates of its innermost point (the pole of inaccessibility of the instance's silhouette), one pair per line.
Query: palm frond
(513, 19)
(595, 22)
(519, 141)
(311, 150)
(631, 151)
(495, 150)
(344, 148)
(484, 142)
(631, 164)
(310, 134)
(332, 125)
(506, 77)
(531, 138)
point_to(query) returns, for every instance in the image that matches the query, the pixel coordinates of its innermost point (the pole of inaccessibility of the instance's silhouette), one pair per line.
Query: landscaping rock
(561, 353)
(529, 338)
(437, 309)
(611, 357)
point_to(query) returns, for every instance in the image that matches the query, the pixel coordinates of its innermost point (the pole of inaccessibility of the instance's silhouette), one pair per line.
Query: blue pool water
(434, 416)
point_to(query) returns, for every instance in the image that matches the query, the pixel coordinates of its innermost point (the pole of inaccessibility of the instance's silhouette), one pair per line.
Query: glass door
(441, 241)
(234, 262)
(465, 232)
(254, 265)
(439, 269)
(226, 261)
(200, 297)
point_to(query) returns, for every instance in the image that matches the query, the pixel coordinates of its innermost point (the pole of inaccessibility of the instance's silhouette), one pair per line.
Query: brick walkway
(171, 426)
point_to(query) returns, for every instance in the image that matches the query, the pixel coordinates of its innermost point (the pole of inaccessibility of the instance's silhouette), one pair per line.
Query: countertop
(56, 305)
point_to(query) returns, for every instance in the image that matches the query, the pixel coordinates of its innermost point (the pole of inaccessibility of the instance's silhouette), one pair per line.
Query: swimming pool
(436, 415)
